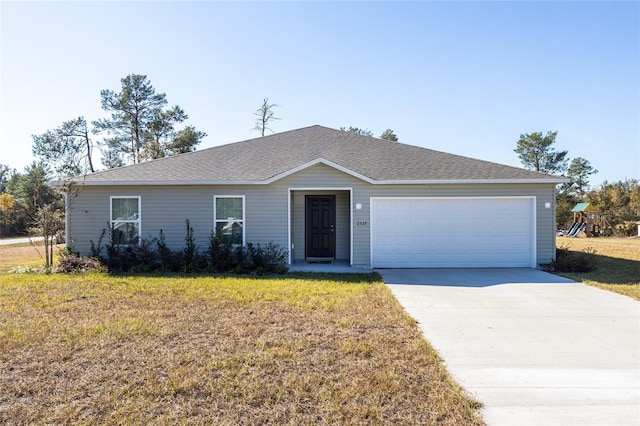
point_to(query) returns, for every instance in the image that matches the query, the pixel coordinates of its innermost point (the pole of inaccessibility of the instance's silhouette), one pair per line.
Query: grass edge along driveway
(617, 263)
(298, 349)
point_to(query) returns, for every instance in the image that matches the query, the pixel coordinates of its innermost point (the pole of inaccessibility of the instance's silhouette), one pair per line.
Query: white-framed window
(125, 219)
(228, 211)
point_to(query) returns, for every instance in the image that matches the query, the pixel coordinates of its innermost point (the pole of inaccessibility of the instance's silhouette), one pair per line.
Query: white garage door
(452, 232)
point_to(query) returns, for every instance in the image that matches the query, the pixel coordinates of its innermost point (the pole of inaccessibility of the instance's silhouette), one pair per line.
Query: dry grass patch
(617, 263)
(23, 254)
(304, 349)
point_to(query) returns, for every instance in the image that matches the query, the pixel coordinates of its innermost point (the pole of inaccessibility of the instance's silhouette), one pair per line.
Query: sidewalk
(9, 241)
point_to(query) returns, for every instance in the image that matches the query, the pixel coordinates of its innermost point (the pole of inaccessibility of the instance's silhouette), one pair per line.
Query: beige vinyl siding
(167, 208)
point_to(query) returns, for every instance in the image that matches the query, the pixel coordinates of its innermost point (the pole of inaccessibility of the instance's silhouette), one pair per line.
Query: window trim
(112, 221)
(244, 216)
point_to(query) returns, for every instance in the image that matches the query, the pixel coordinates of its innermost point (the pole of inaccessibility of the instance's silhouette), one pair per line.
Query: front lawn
(305, 349)
(617, 263)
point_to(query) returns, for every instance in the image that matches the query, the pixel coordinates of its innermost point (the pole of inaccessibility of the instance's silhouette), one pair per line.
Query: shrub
(163, 252)
(276, 258)
(574, 261)
(152, 255)
(72, 262)
(270, 259)
(219, 255)
(241, 259)
(146, 256)
(97, 248)
(257, 257)
(627, 228)
(122, 258)
(190, 250)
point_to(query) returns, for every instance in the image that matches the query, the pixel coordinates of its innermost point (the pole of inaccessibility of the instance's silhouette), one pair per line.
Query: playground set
(588, 222)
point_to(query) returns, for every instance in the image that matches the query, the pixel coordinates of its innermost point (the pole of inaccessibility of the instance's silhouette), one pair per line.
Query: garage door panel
(464, 232)
(401, 228)
(402, 241)
(423, 222)
(462, 243)
(440, 240)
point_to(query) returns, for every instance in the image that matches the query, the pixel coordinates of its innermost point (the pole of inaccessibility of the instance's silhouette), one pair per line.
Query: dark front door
(320, 226)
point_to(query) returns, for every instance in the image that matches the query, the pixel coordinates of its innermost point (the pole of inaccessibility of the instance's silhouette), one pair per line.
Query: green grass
(617, 264)
(299, 349)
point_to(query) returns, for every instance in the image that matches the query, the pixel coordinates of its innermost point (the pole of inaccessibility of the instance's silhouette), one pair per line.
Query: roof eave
(162, 183)
(378, 182)
(469, 181)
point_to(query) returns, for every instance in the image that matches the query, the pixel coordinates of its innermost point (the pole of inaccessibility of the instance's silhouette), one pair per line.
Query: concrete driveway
(535, 348)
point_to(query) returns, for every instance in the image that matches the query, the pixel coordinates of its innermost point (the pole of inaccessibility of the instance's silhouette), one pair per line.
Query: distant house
(327, 194)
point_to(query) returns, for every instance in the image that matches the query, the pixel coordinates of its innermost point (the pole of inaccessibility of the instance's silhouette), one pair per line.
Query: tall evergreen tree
(579, 171)
(185, 140)
(132, 110)
(536, 152)
(31, 192)
(140, 127)
(389, 135)
(357, 131)
(5, 175)
(67, 149)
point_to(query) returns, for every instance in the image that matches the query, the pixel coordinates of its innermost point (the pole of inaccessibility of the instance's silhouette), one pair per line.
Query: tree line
(141, 126)
(618, 201)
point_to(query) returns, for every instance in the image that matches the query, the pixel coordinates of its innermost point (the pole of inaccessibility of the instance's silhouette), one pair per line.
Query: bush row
(153, 255)
(574, 261)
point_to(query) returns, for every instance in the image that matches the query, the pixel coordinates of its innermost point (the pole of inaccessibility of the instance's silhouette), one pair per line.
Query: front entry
(320, 226)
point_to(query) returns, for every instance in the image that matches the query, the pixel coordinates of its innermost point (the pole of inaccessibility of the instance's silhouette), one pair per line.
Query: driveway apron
(534, 348)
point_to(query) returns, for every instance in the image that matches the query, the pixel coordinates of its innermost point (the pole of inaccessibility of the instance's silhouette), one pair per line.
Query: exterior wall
(168, 207)
(267, 214)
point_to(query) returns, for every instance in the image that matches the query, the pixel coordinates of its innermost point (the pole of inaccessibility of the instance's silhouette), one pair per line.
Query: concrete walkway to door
(534, 348)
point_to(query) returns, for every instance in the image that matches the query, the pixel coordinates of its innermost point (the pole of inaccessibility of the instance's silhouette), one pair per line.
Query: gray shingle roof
(267, 158)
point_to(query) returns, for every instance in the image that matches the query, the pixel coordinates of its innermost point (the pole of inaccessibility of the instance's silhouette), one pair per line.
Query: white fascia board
(467, 181)
(169, 183)
(368, 180)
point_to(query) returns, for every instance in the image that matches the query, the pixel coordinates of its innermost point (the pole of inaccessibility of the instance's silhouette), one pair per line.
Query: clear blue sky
(460, 77)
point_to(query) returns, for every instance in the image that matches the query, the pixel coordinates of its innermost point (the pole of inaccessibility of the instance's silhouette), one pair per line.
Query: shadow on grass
(610, 270)
(353, 278)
